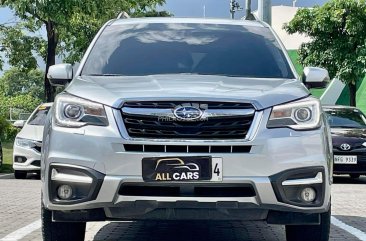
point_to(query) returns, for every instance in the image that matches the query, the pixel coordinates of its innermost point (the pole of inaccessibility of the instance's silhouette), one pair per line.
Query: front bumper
(30, 159)
(113, 202)
(150, 210)
(272, 152)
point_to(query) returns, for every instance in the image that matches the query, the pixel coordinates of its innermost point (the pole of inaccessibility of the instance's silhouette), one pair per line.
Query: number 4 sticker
(216, 169)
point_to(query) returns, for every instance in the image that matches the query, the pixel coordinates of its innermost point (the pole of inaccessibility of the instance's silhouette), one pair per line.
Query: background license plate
(172, 169)
(345, 159)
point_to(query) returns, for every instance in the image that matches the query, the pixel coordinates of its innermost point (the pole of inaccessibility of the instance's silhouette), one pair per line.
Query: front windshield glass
(345, 118)
(187, 48)
(39, 117)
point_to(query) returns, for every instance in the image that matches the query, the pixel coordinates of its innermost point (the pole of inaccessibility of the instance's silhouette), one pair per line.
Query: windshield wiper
(349, 127)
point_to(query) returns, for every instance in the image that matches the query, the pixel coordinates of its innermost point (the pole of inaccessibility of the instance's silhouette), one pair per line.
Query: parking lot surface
(20, 219)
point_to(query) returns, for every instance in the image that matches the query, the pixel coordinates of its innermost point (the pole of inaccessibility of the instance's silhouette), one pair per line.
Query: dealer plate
(182, 169)
(345, 159)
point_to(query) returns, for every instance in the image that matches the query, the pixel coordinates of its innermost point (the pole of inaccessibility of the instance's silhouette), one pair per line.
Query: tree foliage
(16, 82)
(70, 26)
(338, 33)
(24, 102)
(18, 90)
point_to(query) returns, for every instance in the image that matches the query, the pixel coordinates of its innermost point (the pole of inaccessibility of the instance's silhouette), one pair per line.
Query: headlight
(71, 111)
(299, 115)
(25, 143)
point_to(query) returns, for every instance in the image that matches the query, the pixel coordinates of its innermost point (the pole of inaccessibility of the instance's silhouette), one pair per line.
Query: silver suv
(186, 119)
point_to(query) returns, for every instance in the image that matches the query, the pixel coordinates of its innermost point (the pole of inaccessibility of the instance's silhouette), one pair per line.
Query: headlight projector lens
(64, 192)
(308, 194)
(73, 111)
(303, 114)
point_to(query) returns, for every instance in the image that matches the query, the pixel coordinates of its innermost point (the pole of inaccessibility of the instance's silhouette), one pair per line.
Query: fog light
(308, 194)
(64, 192)
(20, 159)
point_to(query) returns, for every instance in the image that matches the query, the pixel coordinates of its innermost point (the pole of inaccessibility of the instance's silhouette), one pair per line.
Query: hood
(113, 90)
(31, 132)
(354, 137)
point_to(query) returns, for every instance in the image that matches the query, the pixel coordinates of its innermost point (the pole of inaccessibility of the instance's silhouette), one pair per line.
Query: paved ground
(20, 213)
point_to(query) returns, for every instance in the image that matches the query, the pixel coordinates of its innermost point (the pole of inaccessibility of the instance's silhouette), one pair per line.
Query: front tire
(20, 174)
(61, 231)
(310, 232)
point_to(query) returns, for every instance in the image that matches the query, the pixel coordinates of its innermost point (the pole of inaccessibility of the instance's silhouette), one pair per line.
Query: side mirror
(19, 124)
(60, 74)
(314, 77)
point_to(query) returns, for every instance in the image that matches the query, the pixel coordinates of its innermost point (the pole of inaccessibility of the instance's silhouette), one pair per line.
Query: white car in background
(28, 142)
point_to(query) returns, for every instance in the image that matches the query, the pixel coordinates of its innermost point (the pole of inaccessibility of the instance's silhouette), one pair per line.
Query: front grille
(186, 148)
(38, 148)
(187, 190)
(146, 125)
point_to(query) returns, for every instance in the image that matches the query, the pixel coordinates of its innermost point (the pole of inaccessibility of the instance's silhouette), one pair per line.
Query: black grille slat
(210, 124)
(221, 127)
(172, 104)
(200, 135)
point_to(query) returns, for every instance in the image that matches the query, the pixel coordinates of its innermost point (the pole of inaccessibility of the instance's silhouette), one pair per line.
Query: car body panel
(31, 132)
(101, 148)
(35, 134)
(355, 138)
(263, 93)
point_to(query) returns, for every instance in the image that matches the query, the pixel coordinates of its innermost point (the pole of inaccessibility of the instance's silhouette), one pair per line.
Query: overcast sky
(220, 8)
(195, 8)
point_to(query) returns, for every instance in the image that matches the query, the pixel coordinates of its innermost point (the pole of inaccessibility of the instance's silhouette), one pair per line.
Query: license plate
(345, 159)
(182, 169)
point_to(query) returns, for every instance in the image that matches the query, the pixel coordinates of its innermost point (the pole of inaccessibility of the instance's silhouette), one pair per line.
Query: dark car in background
(348, 128)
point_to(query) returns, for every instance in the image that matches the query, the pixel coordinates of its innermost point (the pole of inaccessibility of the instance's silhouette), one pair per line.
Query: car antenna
(123, 15)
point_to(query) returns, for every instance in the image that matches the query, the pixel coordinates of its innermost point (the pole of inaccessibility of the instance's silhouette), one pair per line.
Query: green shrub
(7, 131)
(3, 126)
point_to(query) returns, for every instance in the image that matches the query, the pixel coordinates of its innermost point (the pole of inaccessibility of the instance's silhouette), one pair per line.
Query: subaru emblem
(188, 113)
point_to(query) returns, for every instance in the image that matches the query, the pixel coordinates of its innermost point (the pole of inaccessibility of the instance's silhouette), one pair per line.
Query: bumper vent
(191, 190)
(36, 163)
(186, 149)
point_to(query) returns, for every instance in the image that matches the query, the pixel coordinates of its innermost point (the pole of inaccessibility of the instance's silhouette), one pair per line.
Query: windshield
(39, 117)
(345, 118)
(186, 48)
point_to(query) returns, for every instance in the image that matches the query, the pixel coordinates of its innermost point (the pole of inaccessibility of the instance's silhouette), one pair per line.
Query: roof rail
(123, 15)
